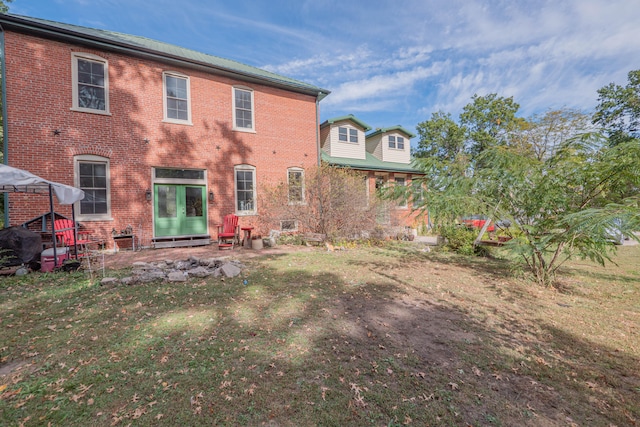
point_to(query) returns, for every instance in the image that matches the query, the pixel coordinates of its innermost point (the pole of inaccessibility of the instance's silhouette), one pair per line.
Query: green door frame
(179, 210)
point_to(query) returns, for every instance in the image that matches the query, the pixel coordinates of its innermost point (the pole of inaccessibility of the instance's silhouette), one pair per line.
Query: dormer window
(347, 135)
(396, 142)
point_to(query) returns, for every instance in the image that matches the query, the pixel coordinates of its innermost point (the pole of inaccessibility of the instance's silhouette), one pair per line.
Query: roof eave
(62, 34)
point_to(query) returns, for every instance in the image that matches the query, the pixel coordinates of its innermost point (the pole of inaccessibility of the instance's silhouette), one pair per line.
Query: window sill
(178, 122)
(86, 218)
(246, 213)
(90, 111)
(245, 130)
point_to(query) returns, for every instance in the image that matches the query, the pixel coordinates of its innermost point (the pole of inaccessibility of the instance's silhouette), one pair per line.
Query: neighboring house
(161, 138)
(384, 156)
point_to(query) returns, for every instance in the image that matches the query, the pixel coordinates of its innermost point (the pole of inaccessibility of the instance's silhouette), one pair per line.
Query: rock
(199, 272)
(139, 264)
(108, 281)
(22, 271)
(151, 275)
(230, 270)
(205, 262)
(177, 276)
(182, 265)
(215, 264)
(128, 280)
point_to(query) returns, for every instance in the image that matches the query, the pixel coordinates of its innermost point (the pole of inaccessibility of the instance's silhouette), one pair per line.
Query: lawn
(368, 336)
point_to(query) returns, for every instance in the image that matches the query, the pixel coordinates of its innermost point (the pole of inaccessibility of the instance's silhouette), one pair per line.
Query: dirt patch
(124, 259)
(11, 368)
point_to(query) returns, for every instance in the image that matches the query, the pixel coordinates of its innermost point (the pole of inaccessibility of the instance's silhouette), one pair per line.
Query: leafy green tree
(441, 138)
(4, 7)
(488, 121)
(618, 110)
(540, 174)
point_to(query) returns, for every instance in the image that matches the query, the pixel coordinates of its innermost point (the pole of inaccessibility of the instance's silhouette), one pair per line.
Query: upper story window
(245, 183)
(176, 98)
(347, 134)
(90, 83)
(243, 109)
(295, 177)
(396, 142)
(92, 177)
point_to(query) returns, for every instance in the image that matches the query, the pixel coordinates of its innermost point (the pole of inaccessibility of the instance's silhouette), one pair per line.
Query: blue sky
(395, 62)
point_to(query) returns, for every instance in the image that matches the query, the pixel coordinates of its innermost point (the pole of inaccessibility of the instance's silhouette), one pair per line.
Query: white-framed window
(418, 193)
(401, 181)
(295, 179)
(288, 225)
(396, 142)
(90, 74)
(346, 134)
(243, 117)
(92, 175)
(245, 185)
(176, 99)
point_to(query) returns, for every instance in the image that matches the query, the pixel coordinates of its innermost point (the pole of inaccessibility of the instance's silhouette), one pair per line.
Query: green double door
(179, 210)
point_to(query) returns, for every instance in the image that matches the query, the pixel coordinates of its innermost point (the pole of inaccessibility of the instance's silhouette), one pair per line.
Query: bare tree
(335, 202)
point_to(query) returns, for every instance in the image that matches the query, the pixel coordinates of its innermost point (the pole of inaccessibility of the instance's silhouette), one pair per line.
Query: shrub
(459, 239)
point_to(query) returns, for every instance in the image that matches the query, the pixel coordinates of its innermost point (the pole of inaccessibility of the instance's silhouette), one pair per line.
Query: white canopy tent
(13, 180)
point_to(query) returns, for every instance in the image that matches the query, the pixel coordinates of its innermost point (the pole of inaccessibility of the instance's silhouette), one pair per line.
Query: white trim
(302, 179)
(350, 130)
(88, 158)
(252, 129)
(75, 106)
(402, 204)
(253, 211)
(295, 225)
(166, 118)
(395, 143)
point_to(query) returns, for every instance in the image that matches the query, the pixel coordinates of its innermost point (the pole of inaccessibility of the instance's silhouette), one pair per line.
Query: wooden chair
(66, 232)
(228, 232)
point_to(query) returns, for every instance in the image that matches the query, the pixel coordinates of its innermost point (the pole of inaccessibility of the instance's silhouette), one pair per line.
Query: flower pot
(257, 244)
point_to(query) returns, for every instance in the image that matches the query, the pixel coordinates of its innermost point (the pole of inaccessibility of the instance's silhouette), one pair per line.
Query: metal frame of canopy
(14, 180)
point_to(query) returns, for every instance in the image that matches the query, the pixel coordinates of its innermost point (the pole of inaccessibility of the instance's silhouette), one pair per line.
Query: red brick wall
(398, 216)
(39, 100)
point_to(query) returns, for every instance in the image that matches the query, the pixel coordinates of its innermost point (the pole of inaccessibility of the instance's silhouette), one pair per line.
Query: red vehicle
(477, 221)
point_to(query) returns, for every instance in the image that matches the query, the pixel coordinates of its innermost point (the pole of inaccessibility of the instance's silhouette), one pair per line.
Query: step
(180, 241)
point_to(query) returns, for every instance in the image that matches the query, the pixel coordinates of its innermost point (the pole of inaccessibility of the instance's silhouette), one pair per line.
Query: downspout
(5, 142)
(320, 213)
(318, 127)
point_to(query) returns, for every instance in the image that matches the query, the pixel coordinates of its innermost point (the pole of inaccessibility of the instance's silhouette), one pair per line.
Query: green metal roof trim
(370, 163)
(390, 129)
(350, 117)
(114, 40)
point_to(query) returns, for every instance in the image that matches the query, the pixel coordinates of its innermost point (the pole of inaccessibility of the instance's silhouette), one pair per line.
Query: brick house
(383, 156)
(161, 138)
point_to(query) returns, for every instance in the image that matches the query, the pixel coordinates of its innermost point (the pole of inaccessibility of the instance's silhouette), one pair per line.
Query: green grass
(371, 336)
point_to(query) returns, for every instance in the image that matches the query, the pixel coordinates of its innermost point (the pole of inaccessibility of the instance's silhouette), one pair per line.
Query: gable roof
(370, 163)
(391, 129)
(144, 47)
(349, 117)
